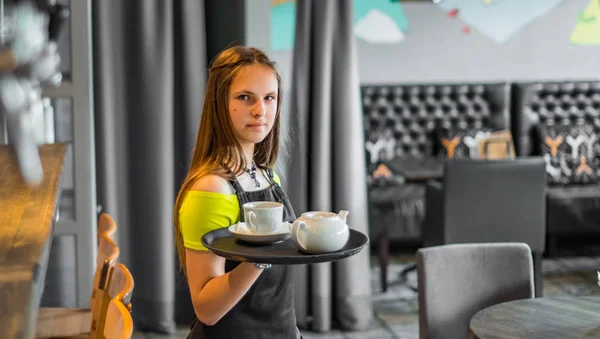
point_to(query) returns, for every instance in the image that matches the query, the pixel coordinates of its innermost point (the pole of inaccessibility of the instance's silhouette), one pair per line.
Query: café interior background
(142, 133)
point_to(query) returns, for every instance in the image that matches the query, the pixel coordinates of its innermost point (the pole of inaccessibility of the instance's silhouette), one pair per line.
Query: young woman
(236, 148)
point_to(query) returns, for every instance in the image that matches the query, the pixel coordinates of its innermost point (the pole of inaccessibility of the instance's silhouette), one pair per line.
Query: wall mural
(379, 21)
(491, 2)
(497, 19)
(283, 24)
(587, 28)
(385, 22)
(375, 21)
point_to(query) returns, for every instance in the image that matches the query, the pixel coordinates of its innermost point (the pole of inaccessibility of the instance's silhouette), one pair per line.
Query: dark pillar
(225, 25)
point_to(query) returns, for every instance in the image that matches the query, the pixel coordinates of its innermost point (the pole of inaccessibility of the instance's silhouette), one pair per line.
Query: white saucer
(240, 231)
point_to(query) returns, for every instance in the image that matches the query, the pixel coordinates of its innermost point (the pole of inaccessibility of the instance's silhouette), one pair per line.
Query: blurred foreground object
(29, 59)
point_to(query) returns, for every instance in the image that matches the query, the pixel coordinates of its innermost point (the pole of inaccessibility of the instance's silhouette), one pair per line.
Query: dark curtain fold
(149, 75)
(327, 159)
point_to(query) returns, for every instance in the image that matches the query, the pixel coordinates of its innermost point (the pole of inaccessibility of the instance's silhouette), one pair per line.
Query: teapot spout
(343, 214)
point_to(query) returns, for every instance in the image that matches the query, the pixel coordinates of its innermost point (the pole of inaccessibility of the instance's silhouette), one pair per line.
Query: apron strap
(235, 185)
(269, 175)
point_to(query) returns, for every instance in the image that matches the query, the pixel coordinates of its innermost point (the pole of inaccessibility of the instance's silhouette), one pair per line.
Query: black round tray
(223, 243)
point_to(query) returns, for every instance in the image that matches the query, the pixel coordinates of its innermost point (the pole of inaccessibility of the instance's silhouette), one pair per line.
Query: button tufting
(411, 114)
(558, 103)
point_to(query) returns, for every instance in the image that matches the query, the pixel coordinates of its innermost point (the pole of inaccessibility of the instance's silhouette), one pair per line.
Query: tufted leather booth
(409, 116)
(402, 120)
(556, 103)
(571, 209)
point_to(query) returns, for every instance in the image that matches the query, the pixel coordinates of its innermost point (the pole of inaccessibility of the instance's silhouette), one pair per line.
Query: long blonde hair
(217, 150)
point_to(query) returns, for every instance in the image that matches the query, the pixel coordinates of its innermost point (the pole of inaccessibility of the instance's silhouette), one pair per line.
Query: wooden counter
(26, 221)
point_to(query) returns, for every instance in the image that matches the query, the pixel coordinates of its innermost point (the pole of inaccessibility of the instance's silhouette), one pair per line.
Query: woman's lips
(255, 126)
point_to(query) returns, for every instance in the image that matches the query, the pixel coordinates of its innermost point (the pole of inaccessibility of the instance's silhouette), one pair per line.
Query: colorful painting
(379, 21)
(587, 28)
(498, 19)
(283, 24)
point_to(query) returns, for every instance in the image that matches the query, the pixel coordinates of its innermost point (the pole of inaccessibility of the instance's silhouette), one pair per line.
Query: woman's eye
(270, 97)
(243, 97)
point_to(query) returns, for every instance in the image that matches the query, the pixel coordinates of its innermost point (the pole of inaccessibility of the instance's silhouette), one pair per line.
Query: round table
(544, 318)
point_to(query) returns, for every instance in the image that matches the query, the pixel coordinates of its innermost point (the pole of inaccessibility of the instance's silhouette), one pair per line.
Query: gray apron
(267, 310)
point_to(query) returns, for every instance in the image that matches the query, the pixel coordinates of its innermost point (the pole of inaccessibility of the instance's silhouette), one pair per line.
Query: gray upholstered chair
(456, 281)
(483, 201)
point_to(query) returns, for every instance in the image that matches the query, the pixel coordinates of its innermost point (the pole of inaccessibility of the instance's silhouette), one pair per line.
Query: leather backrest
(551, 103)
(402, 120)
(495, 201)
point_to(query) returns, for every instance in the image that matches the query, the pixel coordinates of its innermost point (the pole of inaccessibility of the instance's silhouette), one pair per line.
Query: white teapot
(320, 232)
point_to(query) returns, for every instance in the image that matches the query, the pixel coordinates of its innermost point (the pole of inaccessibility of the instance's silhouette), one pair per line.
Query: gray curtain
(327, 165)
(149, 75)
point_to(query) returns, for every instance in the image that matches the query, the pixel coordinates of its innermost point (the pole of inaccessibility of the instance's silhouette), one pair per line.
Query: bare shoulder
(212, 183)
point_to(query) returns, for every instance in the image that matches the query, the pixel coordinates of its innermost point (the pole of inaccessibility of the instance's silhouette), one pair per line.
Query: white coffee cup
(263, 217)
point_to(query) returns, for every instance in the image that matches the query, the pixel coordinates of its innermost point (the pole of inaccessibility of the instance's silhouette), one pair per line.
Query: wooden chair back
(107, 260)
(106, 246)
(119, 324)
(121, 285)
(68, 322)
(107, 225)
(119, 289)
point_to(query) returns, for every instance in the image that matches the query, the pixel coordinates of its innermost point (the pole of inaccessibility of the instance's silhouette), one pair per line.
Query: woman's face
(253, 103)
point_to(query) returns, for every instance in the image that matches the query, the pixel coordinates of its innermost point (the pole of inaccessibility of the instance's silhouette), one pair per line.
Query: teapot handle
(301, 226)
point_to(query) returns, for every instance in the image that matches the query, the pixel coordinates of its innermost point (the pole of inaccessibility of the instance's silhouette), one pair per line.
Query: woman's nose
(259, 109)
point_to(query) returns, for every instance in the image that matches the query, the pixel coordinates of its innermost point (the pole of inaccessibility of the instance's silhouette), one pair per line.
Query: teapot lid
(319, 215)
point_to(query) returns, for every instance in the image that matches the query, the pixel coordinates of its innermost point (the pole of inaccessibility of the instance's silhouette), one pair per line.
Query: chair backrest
(456, 281)
(119, 324)
(495, 201)
(107, 225)
(121, 285)
(106, 261)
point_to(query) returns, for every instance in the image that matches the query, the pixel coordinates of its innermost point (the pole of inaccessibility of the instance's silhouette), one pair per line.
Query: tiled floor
(396, 311)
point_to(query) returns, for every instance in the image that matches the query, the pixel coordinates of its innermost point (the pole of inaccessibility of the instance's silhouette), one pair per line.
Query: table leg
(538, 274)
(383, 247)
(404, 272)
(551, 245)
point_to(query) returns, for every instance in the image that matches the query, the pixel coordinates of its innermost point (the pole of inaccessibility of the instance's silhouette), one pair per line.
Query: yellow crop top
(202, 212)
